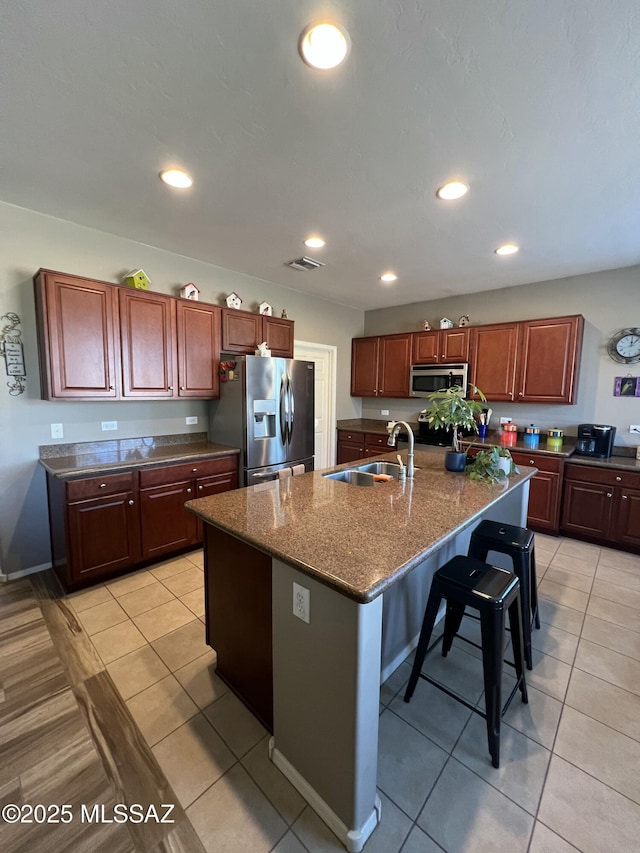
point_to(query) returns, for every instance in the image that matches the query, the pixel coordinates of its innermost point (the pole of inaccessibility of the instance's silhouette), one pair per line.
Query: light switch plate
(192, 419)
(106, 425)
(57, 431)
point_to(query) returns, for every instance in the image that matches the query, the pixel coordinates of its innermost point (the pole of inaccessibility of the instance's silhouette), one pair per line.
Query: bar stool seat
(492, 592)
(518, 544)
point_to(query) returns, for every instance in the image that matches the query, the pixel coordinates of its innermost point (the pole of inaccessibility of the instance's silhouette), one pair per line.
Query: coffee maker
(595, 440)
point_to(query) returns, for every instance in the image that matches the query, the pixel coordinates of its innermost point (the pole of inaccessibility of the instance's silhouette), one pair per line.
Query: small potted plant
(491, 465)
(449, 410)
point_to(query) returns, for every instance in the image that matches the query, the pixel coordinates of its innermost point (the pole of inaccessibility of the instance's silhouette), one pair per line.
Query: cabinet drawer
(93, 487)
(587, 474)
(552, 464)
(353, 437)
(187, 471)
(373, 440)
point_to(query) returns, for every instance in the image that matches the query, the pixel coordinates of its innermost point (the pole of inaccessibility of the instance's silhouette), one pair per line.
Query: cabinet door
(103, 537)
(454, 345)
(350, 446)
(426, 348)
(206, 486)
(166, 526)
(544, 490)
(364, 367)
(77, 337)
(278, 334)
(241, 331)
(493, 360)
(548, 360)
(587, 509)
(628, 517)
(198, 329)
(395, 361)
(147, 324)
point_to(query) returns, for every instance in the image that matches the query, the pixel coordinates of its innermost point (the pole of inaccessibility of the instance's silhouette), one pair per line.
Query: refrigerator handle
(284, 409)
(292, 411)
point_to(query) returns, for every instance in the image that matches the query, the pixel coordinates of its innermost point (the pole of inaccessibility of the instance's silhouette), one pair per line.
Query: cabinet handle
(112, 387)
(188, 491)
(609, 495)
(201, 487)
(131, 503)
(349, 436)
(618, 479)
(103, 485)
(170, 388)
(194, 470)
(531, 462)
(624, 497)
(511, 394)
(520, 393)
(182, 387)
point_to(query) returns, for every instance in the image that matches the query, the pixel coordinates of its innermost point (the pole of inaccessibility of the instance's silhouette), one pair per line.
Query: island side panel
(238, 618)
(326, 700)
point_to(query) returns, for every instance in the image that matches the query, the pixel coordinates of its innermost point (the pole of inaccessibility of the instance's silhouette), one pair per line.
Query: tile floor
(569, 759)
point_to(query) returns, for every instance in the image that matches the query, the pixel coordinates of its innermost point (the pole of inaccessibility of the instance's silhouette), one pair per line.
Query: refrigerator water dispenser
(264, 419)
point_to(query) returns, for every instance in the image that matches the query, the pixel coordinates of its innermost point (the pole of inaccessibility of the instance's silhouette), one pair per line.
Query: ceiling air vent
(305, 263)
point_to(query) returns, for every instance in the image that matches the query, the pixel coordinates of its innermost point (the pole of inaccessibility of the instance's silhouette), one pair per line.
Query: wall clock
(624, 346)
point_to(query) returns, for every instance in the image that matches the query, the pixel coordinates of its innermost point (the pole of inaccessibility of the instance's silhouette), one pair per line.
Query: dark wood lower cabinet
(238, 618)
(103, 526)
(602, 506)
(545, 490)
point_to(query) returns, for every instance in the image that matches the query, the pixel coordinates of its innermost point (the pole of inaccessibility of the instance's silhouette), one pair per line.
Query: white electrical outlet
(106, 425)
(634, 428)
(57, 431)
(506, 420)
(301, 602)
(384, 412)
(192, 419)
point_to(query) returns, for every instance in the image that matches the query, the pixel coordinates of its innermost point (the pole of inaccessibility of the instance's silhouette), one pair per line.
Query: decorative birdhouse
(464, 320)
(265, 308)
(445, 323)
(190, 291)
(233, 300)
(426, 326)
(137, 279)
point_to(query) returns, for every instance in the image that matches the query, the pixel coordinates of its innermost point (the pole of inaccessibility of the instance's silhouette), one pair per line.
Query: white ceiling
(535, 103)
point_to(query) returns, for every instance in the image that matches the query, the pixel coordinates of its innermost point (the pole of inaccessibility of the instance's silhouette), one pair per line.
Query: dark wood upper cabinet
(364, 367)
(198, 327)
(493, 360)
(380, 366)
(548, 358)
(441, 346)
(242, 331)
(148, 335)
(78, 344)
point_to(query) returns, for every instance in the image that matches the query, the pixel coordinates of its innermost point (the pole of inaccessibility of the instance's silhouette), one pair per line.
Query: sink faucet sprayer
(391, 441)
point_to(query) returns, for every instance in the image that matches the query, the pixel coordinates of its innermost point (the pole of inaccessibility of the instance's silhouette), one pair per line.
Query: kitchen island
(364, 558)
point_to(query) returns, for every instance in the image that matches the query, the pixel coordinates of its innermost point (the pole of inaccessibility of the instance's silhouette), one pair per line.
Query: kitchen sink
(391, 468)
(353, 476)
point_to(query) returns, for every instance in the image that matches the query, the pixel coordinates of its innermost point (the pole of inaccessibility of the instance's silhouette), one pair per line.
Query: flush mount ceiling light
(452, 190)
(176, 178)
(314, 242)
(507, 249)
(324, 45)
(388, 277)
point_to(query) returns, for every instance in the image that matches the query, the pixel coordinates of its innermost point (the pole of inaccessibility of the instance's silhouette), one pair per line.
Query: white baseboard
(353, 839)
(22, 573)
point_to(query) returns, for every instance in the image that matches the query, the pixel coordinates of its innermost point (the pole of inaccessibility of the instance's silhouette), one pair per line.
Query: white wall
(30, 241)
(609, 301)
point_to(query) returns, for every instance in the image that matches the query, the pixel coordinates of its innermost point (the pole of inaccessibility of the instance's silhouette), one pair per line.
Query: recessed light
(324, 45)
(507, 249)
(314, 242)
(388, 276)
(452, 190)
(176, 178)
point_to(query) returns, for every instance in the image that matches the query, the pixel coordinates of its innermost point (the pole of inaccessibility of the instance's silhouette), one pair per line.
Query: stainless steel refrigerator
(266, 409)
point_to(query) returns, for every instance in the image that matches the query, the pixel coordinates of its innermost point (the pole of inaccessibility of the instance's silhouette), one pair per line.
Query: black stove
(437, 437)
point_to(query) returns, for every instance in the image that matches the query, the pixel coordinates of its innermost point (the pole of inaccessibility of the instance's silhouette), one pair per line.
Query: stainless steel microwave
(428, 378)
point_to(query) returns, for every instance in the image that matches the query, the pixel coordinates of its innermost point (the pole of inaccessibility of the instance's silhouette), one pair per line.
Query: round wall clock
(624, 346)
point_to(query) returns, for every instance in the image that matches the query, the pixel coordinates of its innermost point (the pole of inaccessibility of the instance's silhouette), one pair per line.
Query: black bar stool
(518, 544)
(465, 582)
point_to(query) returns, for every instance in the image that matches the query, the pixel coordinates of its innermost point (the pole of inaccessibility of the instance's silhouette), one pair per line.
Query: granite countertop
(67, 461)
(354, 539)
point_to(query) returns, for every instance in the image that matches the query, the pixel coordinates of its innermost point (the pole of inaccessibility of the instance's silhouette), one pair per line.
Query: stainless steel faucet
(391, 441)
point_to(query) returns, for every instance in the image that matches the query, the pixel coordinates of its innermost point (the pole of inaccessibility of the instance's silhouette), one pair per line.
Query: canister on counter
(554, 439)
(531, 435)
(509, 435)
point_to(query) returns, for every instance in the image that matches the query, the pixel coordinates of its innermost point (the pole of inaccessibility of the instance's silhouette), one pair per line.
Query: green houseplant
(449, 410)
(491, 465)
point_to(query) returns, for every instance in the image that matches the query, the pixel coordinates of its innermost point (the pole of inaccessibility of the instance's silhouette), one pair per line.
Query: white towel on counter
(298, 469)
(283, 473)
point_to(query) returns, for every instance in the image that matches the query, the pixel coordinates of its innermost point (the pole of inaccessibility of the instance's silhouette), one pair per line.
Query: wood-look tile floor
(110, 696)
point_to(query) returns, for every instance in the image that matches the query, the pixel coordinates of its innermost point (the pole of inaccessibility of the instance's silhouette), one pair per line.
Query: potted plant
(491, 465)
(449, 410)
